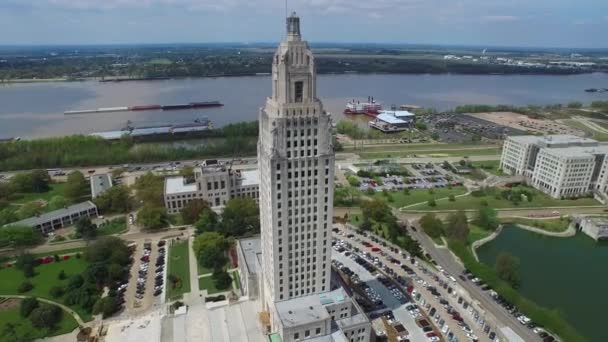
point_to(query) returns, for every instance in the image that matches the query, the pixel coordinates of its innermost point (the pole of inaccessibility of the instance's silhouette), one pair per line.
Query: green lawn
(204, 270)
(490, 166)
(115, 226)
(56, 190)
(179, 267)
(237, 279)
(550, 225)
(414, 147)
(25, 329)
(596, 135)
(208, 284)
(400, 199)
(473, 202)
(46, 277)
(477, 233)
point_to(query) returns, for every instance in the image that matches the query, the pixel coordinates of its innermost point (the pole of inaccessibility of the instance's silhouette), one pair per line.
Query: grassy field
(117, 225)
(208, 284)
(56, 190)
(401, 199)
(46, 277)
(550, 225)
(595, 134)
(237, 279)
(179, 267)
(161, 61)
(539, 200)
(204, 270)
(25, 329)
(490, 166)
(476, 233)
(414, 147)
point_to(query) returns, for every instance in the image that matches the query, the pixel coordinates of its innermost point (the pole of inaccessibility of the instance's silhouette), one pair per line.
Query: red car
(375, 249)
(431, 334)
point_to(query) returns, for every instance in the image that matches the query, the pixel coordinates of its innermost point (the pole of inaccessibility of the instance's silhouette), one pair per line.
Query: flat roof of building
(100, 183)
(55, 214)
(176, 185)
(551, 139)
(308, 309)
(388, 118)
(577, 151)
(251, 248)
(398, 113)
(250, 177)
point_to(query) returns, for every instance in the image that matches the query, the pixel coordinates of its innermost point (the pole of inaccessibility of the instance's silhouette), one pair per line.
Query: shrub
(27, 306)
(432, 203)
(62, 275)
(25, 287)
(57, 291)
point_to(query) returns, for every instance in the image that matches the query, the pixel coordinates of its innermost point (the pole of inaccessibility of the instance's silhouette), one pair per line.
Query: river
(36, 109)
(567, 274)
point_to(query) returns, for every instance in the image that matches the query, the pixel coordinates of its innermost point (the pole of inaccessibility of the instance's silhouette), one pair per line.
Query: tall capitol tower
(296, 164)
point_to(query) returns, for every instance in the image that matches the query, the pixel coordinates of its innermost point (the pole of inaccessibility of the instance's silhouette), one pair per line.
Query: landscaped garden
(500, 198)
(15, 325)
(178, 270)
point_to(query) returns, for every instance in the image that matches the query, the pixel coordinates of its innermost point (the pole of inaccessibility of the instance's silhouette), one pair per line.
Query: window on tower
(299, 91)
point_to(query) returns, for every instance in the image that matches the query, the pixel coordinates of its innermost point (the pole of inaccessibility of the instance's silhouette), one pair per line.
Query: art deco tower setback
(296, 164)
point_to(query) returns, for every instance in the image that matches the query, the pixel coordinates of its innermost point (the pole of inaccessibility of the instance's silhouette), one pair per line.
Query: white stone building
(559, 165)
(215, 184)
(296, 163)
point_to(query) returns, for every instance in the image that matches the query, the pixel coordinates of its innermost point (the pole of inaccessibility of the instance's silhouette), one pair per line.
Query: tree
(27, 306)
(76, 186)
(431, 203)
(106, 306)
(208, 221)
(117, 172)
(193, 209)
(29, 209)
(108, 250)
(85, 228)
(210, 249)
(240, 215)
(152, 218)
(451, 198)
(35, 181)
(366, 225)
(222, 279)
(26, 262)
(149, 189)
(487, 218)
(62, 275)
(46, 316)
(58, 202)
(8, 215)
(56, 291)
(431, 225)
(114, 200)
(575, 105)
(187, 172)
(25, 287)
(375, 209)
(353, 181)
(19, 236)
(458, 226)
(507, 268)
(421, 125)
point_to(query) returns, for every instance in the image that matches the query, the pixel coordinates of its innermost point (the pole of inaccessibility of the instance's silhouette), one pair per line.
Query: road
(445, 258)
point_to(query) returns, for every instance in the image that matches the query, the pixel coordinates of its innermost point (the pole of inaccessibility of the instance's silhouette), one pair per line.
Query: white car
(452, 279)
(445, 329)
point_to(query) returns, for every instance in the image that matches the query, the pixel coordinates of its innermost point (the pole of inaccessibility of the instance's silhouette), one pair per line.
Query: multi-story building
(296, 164)
(216, 184)
(559, 165)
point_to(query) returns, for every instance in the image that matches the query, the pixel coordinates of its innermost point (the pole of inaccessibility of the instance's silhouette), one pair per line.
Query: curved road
(65, 308)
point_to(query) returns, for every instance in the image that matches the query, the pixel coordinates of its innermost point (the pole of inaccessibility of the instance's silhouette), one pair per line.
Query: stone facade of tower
(296, 165)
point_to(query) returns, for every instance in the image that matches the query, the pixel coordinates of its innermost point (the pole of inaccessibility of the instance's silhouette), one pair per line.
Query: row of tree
(456, 225)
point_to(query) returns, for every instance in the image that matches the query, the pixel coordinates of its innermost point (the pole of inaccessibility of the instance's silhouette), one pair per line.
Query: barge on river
(191, 105)
(160, 132)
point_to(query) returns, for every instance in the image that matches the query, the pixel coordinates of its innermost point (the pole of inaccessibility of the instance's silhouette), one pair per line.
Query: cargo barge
(134, 79)
(159, 132)
(191, 105)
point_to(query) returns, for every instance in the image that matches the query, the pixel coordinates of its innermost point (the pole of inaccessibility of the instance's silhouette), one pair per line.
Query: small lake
(567, 274)
(36, 109)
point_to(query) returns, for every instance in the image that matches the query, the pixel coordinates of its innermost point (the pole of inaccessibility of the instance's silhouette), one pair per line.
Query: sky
(526, 23)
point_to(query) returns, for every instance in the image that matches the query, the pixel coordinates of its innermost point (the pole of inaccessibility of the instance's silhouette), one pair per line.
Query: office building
(559, 165)
(296, 164)
(100, 184)
(61, 218)
(214, 183)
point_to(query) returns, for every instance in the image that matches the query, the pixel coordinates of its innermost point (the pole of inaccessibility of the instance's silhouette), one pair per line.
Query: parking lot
(434, 293)
(147, 279)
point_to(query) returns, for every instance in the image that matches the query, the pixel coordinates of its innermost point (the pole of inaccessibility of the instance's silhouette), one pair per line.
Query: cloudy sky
(545, 23)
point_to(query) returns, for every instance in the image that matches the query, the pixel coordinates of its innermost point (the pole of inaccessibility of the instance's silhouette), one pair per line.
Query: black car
(543, 334)
(158, 292)
(161, 243)
(492, 335)
(549, 339)
(427, 329)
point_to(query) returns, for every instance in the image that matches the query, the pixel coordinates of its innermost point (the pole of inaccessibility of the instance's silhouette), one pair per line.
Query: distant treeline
(236, 140)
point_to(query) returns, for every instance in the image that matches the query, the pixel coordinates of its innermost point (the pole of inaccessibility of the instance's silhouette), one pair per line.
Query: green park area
(399, 199)
(501, 198)
(437, 152)
(210, 284)
(490, 166)
(46, 277)
(115, 226)
(55, 189)
(179, 270)
(557, 225)
(15, 327)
